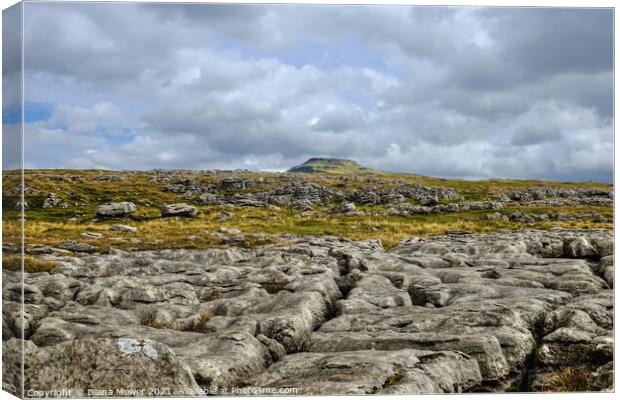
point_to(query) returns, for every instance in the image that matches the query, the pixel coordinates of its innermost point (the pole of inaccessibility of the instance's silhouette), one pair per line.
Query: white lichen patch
(130, 346)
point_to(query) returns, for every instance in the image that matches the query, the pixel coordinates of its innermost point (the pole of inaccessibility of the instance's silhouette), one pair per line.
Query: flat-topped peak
(328, 160)
(327, 164)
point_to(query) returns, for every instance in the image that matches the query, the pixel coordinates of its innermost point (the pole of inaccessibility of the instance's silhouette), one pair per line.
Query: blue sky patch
(33, 112)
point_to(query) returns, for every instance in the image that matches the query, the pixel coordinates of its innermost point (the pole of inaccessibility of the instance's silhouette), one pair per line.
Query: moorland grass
(53, 225)
(157, 233)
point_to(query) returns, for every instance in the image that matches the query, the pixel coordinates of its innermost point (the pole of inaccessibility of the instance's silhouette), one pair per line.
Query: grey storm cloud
(448, 91)
(534, 135)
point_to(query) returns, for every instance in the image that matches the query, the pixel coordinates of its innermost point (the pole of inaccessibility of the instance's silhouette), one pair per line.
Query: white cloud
(439, 91)
(101, 116)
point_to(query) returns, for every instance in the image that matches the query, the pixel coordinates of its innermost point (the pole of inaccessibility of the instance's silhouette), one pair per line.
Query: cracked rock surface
(324, 315)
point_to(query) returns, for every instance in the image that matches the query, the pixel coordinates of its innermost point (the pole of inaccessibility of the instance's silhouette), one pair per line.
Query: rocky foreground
(323, 315)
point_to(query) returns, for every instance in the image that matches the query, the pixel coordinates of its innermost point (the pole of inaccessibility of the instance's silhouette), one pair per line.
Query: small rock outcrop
(17, 190)
(187, 188)
(545, 196)
(53, 201)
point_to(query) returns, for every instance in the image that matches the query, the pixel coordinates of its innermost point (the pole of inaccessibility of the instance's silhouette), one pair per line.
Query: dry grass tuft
(153, 323)
(203, 318)
(198, 326)
(570, 380)
(214, 294)
(391, 380)
(274, 287)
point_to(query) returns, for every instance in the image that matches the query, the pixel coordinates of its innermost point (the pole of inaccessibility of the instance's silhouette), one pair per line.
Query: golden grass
(173, 233)
(157, 233)
(31, 264)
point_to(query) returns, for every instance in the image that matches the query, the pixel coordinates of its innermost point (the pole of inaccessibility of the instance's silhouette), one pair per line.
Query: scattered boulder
(110, 178)
(236, 184)
(92, 235)
(63, 178)
(559, 216)
(346, 207)
(116, 210)
(178, 210)
(208, 198)
(518, 216)
(123, 228)
(78, 247)
(230, 231)
(223, 216)
(496, 217)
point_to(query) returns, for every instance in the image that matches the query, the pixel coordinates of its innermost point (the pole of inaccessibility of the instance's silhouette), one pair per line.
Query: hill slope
(331, 165)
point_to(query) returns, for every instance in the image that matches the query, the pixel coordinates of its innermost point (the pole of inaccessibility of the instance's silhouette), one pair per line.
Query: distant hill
(332, 166)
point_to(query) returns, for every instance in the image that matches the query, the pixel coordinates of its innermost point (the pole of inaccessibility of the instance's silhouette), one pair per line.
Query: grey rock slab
(579, 333)
(460, 304)
(371, 372)
(605, 269)
(14, 351)
(105, 364)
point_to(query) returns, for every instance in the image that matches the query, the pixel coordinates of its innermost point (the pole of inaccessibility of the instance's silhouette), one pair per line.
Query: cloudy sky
(452, 92)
